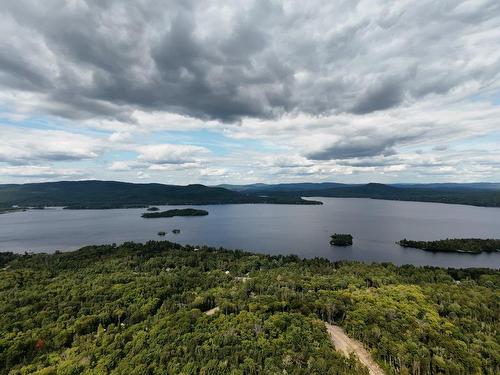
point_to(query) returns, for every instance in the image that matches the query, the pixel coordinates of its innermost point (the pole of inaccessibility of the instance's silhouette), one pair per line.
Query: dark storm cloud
(108, 60)
(190, 82)
(21, 75)
(366, 146)
(230, 60)
(353, 149)
(384, 95)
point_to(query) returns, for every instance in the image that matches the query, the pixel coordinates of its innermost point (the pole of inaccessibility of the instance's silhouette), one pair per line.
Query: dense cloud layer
(325, 83)
(257, 59)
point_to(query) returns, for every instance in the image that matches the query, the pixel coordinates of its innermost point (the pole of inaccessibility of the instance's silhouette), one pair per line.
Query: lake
(272, 229)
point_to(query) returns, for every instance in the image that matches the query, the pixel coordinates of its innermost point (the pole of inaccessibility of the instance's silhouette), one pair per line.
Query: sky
(241, 92)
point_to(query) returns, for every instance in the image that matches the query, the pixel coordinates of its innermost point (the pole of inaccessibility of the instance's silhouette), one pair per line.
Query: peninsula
(457, 245)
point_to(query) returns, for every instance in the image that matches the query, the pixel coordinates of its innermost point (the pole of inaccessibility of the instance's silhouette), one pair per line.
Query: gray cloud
(226, 60)
(383, 95)
(358, 147)
(253, 89)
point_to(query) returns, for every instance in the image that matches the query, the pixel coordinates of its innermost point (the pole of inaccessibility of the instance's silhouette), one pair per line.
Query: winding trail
(346, 345)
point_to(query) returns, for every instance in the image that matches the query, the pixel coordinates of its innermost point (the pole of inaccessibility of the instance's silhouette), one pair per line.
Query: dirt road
(346, 345)
(212, 311)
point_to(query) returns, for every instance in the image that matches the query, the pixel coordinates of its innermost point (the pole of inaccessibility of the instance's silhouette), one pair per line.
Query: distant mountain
(471, 185)
(310, 186)
(111, 194)
(477, 194)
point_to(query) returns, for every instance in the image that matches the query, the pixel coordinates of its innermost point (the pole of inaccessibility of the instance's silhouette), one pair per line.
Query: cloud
(218, 172)
(365, 142)
(348, 148)
(142, 175)
(382, 95)
(171, 154)
(231, 60)
(277, 89)
(122, 165)
(440, 148)
(121, 137)
(41, 172)
(24, 146)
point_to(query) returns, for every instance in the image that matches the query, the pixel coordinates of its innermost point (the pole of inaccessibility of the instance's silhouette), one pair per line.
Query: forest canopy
(139, 309)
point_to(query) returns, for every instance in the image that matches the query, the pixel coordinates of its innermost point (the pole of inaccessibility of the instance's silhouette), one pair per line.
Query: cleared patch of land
(346, 345)
(212, 311)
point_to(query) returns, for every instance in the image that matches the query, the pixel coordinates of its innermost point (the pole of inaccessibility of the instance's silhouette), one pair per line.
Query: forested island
(339, 239)
(175, 212)
(460, 245)
(139, 309)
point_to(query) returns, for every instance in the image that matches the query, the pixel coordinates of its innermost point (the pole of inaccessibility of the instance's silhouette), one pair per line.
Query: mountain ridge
(116, 194)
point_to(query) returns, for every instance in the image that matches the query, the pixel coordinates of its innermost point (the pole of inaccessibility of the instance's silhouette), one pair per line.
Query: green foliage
(463, 245)
(139, 309)
(6, 258)
(175, 212)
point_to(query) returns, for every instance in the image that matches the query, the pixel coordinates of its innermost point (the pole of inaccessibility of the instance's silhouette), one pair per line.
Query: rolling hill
(112, 194)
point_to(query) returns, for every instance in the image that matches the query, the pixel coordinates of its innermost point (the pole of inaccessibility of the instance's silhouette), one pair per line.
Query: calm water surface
(272, 229)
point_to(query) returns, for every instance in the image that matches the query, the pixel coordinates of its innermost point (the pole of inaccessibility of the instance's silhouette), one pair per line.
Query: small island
(457, 245)
(175, 212)
(161, 233)
(339, 239)
(176, 231)
(153, 209)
